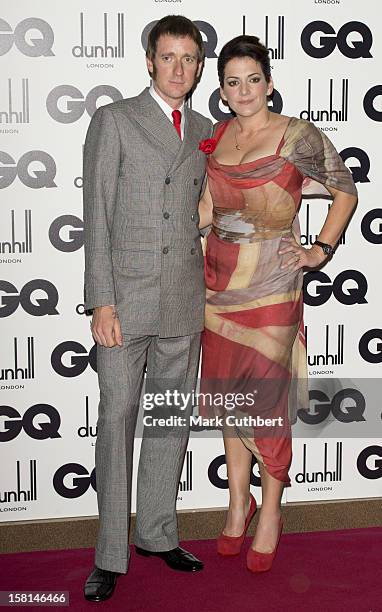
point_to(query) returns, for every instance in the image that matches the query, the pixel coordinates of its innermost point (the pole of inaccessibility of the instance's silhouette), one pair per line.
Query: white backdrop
(54, 72)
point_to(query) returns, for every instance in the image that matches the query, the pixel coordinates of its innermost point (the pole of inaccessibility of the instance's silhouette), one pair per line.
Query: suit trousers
(171, 363)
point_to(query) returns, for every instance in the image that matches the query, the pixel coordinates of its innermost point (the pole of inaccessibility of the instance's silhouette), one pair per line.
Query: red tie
(176, 118)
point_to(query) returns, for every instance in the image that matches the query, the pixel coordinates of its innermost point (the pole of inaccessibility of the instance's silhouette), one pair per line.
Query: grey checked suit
(143, 254)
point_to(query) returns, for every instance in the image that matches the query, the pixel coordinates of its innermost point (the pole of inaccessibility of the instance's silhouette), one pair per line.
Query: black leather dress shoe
(100, 585)
(177, 558)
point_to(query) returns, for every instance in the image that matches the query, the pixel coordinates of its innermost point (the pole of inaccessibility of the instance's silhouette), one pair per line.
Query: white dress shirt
(166, 108)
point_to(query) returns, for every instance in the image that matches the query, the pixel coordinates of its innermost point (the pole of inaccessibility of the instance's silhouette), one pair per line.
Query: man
(144, 279)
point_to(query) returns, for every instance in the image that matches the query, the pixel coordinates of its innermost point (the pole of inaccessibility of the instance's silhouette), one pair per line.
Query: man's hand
(105, 326)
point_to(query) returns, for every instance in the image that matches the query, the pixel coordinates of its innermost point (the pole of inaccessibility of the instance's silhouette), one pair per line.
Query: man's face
(174, 68)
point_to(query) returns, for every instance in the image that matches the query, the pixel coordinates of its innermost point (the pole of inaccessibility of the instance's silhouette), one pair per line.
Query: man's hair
(178, 26)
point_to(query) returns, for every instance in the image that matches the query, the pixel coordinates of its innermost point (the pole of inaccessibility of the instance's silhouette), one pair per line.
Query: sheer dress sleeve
(315, 156)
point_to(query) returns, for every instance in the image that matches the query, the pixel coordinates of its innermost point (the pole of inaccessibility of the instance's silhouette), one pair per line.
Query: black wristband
(327, 248)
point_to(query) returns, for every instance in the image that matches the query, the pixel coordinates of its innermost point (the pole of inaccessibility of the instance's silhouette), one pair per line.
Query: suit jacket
(141, 190)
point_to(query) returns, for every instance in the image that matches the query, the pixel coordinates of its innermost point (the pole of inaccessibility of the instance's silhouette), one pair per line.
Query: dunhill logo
(326, 474)
(17, 372)
(328, 358)
(20, 494)
(186, 484)
(13, 245)
(87, 430)
(332, 114)
(276, 52)
(11, 115)
(307, 238)
(105, 50)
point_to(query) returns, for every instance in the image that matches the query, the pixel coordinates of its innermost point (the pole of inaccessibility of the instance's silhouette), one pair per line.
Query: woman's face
(245, 88)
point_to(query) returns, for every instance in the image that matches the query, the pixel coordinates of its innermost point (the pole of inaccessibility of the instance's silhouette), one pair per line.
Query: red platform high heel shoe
(262, 562)
(231, 545)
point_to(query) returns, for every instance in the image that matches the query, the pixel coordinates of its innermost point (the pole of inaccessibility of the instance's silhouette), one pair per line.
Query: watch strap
(327, 248)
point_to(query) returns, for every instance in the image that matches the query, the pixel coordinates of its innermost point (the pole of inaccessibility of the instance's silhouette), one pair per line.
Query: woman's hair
(244, 46)
(178, 26)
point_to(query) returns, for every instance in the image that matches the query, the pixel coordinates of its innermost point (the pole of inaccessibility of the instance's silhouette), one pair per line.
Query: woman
(257, 163)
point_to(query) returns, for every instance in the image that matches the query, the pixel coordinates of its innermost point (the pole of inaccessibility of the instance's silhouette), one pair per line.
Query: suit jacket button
(196, 181)
(166, 215)
(167, 180)
(165, 250)
(193, 251)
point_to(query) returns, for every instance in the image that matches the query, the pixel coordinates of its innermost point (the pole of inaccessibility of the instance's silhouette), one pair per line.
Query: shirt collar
(166, 108)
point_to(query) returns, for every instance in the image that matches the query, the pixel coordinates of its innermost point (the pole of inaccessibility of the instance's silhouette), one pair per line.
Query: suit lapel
(152, 119)
(190, 142)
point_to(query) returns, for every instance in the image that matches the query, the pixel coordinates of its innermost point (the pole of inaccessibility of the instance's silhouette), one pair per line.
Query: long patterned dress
(254, 336)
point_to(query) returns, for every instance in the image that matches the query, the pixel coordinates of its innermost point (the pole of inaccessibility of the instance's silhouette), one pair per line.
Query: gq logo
(75, 486)
(74, 236)
(360, 172)
(69, 111)
(222, 483)
(35, 306)
(341, 409)
(371, 338)
(209, 35)
(216, 105)
(43, 430)
(366, 468)
(326, 44)
(30, 46)
(77, 362)
(368, 103)
(371, 231)
(35, 179)
(325, 288)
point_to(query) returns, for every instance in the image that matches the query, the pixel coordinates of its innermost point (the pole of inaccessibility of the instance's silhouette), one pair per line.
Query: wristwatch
(327, 248)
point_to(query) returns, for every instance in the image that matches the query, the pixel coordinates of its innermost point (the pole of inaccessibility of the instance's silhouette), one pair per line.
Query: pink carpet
(333, 571)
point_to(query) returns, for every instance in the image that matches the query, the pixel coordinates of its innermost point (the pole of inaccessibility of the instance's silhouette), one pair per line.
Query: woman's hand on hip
(299, 256)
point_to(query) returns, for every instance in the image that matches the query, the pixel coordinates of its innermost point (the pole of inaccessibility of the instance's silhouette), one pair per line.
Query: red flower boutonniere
(208, 145)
